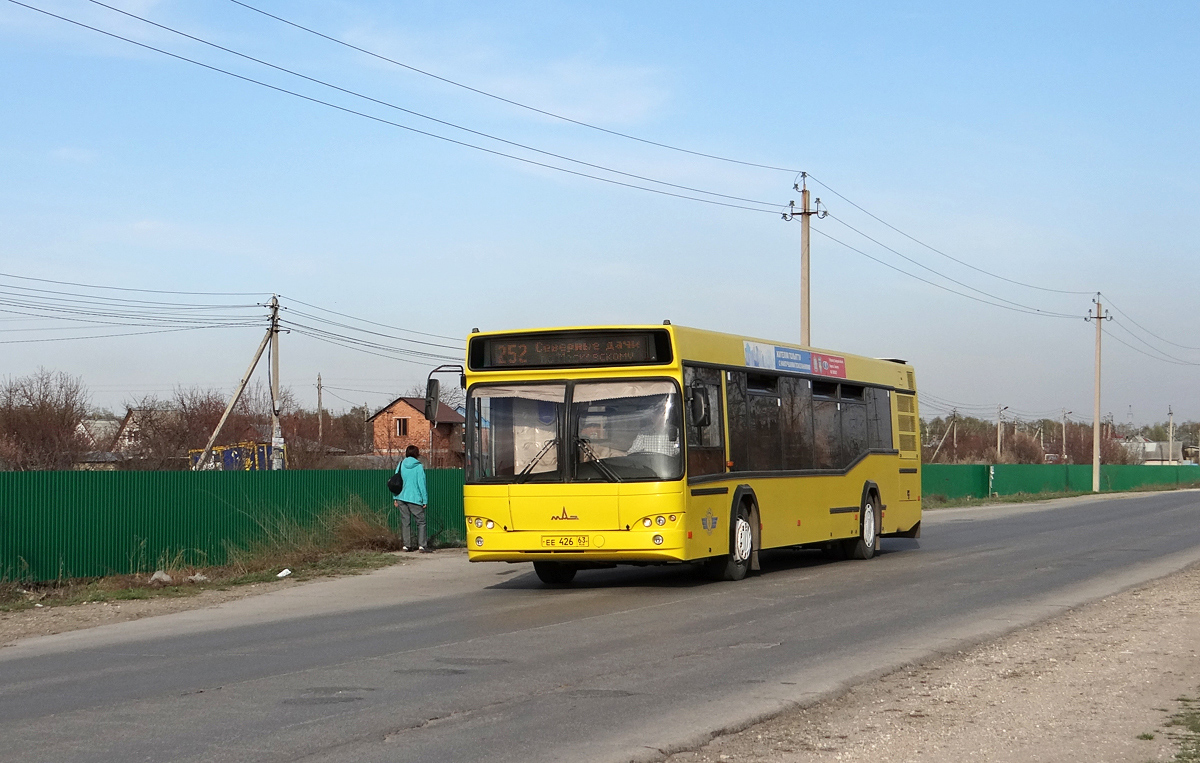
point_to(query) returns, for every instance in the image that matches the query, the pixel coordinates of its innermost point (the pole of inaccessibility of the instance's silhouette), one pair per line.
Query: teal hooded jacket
(413, 474)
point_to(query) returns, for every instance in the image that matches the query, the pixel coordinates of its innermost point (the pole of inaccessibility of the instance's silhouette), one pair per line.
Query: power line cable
(363, 391)
(420, 115)
(389, 122)
(106, 336)
(422, 364)
(124, 288)
(1108, 299)
(368, 331)
(534, 109)
(1164, 357)
(936, 250)
(348, 402)
(365, 343)
(936, 272)
(364, 320)
(1042, 313)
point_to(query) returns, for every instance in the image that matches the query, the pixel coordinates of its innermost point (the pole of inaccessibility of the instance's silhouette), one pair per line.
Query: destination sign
(624, 348)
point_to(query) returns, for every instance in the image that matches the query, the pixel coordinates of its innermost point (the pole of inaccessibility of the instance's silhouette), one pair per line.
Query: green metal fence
(84, 524)
(979, 480)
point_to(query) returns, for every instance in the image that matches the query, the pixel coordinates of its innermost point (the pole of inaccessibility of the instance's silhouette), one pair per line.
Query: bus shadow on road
(682, 576)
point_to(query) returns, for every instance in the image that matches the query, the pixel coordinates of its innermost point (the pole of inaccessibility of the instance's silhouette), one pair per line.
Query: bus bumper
(618, 546)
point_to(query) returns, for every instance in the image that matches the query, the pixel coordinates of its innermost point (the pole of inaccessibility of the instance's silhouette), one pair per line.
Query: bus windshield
(618, 431)
(626, 431)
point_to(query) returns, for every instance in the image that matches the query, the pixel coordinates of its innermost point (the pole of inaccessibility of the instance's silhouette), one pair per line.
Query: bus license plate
(564, 541)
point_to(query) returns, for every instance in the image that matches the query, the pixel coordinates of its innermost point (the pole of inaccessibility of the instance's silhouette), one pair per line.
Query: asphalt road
(446, 661)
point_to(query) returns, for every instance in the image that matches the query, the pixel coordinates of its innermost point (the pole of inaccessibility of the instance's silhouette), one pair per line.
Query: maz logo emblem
(564, 515)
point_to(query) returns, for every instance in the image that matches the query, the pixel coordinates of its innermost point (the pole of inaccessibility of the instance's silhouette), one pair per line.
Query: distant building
(402, 422)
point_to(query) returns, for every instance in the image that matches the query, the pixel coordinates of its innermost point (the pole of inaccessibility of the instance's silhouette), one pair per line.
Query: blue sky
(1052, 144)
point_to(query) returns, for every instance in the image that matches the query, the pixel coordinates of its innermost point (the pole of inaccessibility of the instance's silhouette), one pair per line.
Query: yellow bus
(595, 446)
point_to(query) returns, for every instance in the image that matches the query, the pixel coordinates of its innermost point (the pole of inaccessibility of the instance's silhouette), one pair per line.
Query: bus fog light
(478, 522)
(648, 521)
(478, 540)
(491, 525)
(661, 521)
(658, 540)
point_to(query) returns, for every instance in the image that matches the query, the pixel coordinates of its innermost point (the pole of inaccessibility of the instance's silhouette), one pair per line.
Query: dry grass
(342, 540)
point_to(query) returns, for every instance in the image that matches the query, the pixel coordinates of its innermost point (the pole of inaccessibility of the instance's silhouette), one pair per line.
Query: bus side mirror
(698, 408)
(432, 394)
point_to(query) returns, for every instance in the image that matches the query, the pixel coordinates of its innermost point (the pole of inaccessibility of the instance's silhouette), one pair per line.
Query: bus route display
(564, 350)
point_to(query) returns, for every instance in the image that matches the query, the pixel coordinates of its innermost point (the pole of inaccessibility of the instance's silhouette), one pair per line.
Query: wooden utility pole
(276, 431)
(1099, 317)
(320, 419)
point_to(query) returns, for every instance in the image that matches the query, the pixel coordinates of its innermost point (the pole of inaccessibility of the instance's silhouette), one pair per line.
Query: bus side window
(739, 424)
(827, 427)
(879, 418)
(706, 444)
(796, 422)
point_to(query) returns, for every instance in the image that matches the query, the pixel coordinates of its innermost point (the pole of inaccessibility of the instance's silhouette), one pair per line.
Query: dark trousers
(407, 512)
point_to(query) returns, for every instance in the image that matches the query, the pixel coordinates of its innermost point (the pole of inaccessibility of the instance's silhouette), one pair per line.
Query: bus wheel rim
(742, 540)
(868, 524)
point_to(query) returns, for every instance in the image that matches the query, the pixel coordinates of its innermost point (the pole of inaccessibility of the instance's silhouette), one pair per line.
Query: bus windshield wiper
(604, 468)
(534, 461)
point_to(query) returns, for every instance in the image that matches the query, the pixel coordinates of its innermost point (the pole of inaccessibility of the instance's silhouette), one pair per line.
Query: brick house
(402, 423)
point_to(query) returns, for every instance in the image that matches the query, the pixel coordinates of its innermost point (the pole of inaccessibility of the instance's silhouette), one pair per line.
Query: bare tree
(161, 432)
(40, 416)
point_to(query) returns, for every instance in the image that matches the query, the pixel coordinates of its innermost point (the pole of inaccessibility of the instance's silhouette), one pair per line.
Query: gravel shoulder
(27, 624)
(1090, 684)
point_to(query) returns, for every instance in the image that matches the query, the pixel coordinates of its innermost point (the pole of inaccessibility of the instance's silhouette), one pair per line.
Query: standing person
(412, 499)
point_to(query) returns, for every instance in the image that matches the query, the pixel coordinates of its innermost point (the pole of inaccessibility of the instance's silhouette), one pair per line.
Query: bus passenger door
(707, 502)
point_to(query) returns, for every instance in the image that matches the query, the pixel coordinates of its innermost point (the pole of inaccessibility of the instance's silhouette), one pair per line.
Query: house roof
(445, 415)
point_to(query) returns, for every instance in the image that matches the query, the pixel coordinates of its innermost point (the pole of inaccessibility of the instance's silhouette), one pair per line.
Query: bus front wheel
(554, 573)
(863, 547)
(735, 564)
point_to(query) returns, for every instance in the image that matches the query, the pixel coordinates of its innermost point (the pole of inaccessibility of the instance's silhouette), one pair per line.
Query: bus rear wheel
(554, 573)
(735, 564)
(863, 547)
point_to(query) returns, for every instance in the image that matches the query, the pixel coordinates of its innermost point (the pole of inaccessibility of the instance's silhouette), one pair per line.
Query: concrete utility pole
(1170, 436)
(933, 458)
(1064, 442)
(320, 419)
(806, 211)
(202, 462)
(276, 431)
(1099, 317)
(805, 283)
(999, 427)
(955, 435)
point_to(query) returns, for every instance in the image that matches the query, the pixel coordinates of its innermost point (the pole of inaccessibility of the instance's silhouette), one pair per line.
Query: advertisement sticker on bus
(760, 355)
